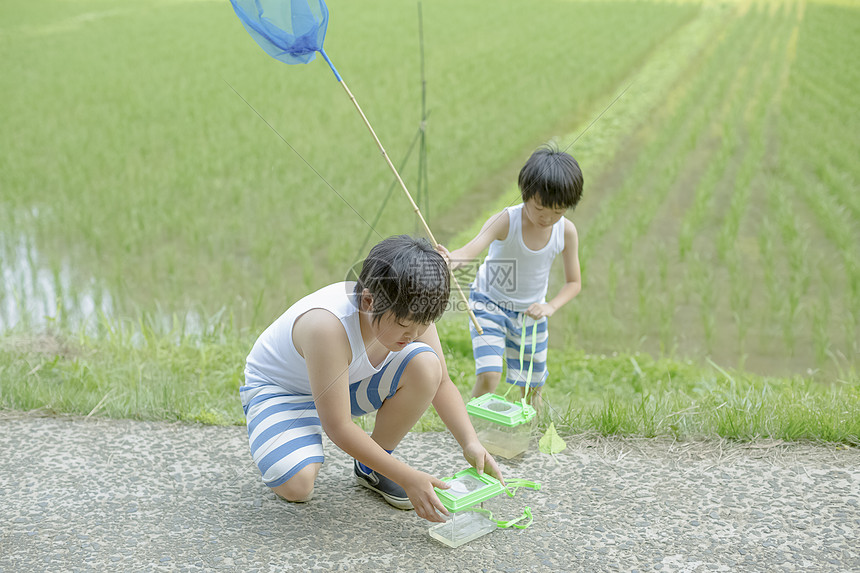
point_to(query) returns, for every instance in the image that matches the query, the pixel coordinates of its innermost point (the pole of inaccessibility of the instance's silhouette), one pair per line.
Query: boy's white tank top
(513, 275)
(274, 358)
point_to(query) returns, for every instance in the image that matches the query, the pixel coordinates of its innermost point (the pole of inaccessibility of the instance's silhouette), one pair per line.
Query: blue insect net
(291, 31)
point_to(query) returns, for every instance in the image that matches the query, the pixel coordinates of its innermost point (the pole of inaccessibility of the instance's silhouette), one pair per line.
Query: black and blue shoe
(390, 491)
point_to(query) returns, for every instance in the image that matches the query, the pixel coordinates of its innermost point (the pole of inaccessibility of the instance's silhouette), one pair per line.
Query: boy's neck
(534, 236)
(375, 351)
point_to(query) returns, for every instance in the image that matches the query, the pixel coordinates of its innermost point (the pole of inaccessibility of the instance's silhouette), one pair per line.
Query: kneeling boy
(348, 349)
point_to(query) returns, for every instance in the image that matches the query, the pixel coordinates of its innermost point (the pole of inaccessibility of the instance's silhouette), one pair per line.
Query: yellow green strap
(523, 350)
(512, 485)
(502, 524)
(527, 514)
(522, 356)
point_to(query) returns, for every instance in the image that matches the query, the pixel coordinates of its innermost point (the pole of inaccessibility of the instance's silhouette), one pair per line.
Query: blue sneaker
(390, 491)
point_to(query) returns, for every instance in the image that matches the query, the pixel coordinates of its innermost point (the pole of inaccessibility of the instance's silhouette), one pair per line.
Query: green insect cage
(464, 499)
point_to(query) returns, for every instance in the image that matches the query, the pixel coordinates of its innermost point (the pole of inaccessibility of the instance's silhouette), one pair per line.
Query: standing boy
(348, 349)
(509, 291)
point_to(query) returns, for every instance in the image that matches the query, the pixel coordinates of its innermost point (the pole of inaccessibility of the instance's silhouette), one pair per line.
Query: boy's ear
(366, 301)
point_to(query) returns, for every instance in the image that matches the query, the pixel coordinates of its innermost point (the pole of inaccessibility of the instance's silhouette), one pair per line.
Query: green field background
(721, 207)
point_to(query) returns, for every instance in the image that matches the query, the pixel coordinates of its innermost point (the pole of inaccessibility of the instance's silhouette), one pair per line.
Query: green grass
(144, 371)
(127, 370)
(719, 222)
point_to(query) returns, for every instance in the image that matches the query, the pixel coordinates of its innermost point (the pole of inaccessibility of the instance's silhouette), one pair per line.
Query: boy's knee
(424, 369)
(300, 487)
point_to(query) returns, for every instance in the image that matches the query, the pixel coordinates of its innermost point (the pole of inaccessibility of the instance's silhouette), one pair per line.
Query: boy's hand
(445, 254)
(480, 459)
(540, 310)
(419, 488)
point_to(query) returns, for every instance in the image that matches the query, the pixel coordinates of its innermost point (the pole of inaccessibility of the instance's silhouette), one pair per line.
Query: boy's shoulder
(501, 215)
(497, 225)
(318, 326)
(571, 236)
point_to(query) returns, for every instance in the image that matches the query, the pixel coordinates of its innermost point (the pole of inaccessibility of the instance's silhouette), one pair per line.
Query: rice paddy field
(146, 198)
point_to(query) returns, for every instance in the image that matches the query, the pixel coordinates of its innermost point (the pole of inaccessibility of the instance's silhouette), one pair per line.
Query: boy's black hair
(553, 176)
(406, 276)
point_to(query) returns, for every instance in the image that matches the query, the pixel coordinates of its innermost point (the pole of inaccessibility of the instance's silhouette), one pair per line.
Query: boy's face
(541, 216)
(395, 333)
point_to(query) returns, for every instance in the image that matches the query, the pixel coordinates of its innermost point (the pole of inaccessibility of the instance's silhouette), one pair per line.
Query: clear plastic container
(504, 428)
(466, 491)
(465, 499)
(462, 527)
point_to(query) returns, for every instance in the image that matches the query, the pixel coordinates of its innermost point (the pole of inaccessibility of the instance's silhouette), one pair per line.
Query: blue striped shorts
(284, 429)
(501, 342)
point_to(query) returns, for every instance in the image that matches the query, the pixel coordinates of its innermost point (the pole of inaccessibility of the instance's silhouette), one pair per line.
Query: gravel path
(100, 495)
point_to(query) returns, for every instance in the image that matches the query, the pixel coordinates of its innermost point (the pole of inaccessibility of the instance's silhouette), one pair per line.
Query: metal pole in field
(423, 182)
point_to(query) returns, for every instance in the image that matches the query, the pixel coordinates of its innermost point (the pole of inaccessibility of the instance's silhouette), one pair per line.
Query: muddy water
(35, 294)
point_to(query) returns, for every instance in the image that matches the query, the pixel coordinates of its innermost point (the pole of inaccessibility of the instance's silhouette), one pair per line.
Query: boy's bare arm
(494, 229)
(572, 276)
(322, 341)
(451, 409)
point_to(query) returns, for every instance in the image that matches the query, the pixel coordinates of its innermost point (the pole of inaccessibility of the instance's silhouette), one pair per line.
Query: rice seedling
(720, 216)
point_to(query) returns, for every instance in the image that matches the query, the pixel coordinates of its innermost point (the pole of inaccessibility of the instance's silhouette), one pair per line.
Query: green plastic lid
(468, 488)
(496, 409)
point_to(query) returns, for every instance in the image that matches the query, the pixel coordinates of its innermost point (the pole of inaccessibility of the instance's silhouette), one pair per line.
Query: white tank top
(274, 358)
(513, 275)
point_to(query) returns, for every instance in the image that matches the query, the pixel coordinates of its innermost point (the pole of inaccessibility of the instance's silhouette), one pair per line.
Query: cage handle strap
(522, 356)
(515, 523)
(503, 524)
(512, 485)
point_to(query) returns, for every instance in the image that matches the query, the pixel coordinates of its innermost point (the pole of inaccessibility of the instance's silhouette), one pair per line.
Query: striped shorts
(501, 342)
(284, 429)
